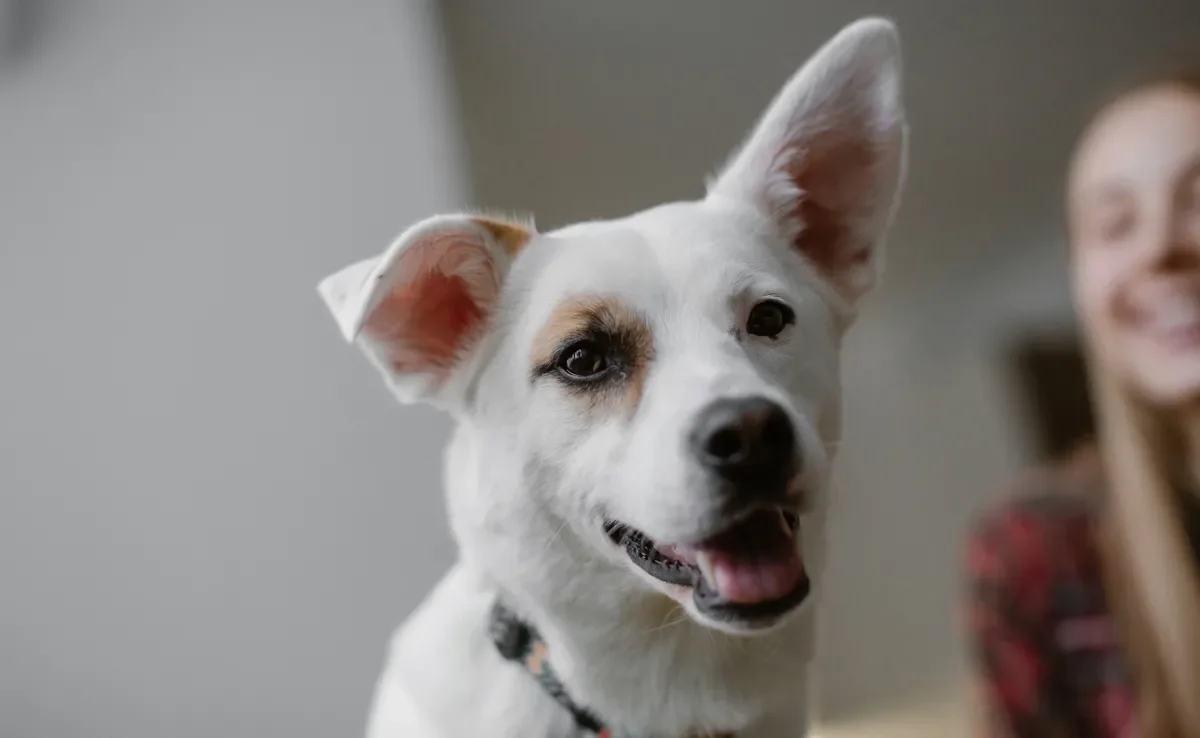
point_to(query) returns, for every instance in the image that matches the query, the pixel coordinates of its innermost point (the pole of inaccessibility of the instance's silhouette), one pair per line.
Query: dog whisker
(553, 538)
(669, 624)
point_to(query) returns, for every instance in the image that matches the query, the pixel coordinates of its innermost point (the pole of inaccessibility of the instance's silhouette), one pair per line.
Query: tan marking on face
(511, 236)
(628, 340)
(569, 318)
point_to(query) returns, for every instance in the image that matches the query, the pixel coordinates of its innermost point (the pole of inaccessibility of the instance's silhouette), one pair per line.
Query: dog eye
(769, 318)
(582, 360)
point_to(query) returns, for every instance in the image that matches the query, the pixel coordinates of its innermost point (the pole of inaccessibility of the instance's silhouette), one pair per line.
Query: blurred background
(211, 513)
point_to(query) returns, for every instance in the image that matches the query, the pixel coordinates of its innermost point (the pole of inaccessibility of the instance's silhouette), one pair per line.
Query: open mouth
(751, 571)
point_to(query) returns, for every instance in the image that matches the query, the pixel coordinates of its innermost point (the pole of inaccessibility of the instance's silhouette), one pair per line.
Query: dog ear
(826, 160)
(419, 310)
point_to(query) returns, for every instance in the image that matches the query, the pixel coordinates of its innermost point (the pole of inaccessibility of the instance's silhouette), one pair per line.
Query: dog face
(652, 402)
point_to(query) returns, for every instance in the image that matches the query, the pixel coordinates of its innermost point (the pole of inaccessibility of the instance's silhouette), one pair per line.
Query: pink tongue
(749, 581)
(758, 561)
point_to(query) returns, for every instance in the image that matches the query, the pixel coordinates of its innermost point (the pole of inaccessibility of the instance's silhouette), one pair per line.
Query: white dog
(647, 410)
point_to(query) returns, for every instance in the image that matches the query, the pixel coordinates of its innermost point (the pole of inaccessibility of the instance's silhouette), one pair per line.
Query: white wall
(211, 515)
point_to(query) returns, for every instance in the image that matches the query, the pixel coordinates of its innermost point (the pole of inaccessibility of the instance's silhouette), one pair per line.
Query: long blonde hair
(1148, 562)
(1150, 566)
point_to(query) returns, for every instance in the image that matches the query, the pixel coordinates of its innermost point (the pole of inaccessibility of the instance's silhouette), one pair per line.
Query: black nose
(746, 439)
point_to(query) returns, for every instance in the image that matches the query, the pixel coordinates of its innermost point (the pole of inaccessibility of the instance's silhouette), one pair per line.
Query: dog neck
(518, 641)
(641, 660)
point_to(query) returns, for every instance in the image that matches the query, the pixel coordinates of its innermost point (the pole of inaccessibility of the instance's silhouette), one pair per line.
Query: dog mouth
(751, 570)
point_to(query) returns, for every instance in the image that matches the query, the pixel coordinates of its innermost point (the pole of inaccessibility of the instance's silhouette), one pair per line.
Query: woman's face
(1134, 200)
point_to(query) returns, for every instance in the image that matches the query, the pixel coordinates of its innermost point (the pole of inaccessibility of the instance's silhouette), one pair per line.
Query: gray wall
(211, 514)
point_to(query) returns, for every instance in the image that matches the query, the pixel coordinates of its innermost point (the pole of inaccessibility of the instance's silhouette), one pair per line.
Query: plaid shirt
(1038, 622)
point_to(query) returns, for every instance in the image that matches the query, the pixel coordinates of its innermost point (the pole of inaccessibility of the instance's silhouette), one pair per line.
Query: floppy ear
(826, 160)
(419, 310)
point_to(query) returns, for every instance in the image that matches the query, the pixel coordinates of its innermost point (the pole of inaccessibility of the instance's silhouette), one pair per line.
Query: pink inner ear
(424, 324)
(835, 176)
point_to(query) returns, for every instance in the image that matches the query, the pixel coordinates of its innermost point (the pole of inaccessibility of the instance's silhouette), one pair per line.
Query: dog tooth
(707, 570)
(783, 523)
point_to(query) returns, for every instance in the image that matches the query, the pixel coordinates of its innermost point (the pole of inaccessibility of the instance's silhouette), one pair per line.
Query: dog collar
(519, 641)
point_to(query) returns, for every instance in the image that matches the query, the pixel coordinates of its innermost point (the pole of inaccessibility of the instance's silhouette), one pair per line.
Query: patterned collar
(519, 641)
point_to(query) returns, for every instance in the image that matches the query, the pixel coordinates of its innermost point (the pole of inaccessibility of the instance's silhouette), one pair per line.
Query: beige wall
(932, 432)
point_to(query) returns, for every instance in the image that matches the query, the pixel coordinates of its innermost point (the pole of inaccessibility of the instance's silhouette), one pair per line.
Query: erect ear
(826, 160)
(419, 310)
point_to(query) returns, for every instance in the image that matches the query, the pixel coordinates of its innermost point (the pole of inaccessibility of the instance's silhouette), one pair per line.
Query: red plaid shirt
(1038, 621)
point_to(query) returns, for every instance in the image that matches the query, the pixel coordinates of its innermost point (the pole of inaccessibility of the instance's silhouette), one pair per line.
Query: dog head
(652, 402)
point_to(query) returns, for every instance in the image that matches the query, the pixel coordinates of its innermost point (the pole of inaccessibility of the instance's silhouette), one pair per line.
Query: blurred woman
(1084, 598)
